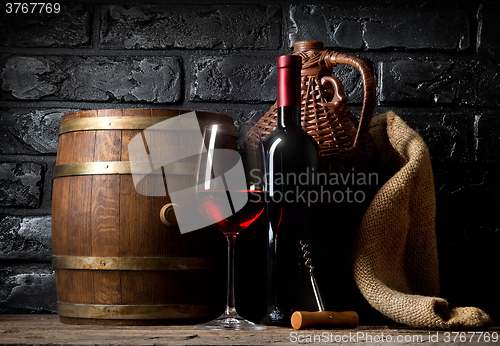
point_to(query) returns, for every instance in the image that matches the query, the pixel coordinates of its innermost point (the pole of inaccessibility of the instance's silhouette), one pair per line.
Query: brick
(191, 26)
(71, 27)
(147, 79)
(234, 79)
(8, 142)
(248, 119)
(26, 238)
(417, 82)
(20, 184)
(335, 26)
(448, 134)
(416, 27)
(27, 288)
(469, 192)
(472, 83)
(244, 120)
(377, 27)
(488, 33)
(487, 137)
(478, 83)
(29, 131)
(24, 76)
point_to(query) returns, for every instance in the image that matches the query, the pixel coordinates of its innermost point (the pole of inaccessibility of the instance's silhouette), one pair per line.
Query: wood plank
(130, 201)
(79, 225)
(60, 200)
(60, 196)
(164, 146)
(194, 243)
(105, 219)
(168, 286)
(135, 286)
(76, 286)
(46, 329)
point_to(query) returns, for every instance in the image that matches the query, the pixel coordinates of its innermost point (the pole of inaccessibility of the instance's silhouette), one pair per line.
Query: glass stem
(230, 305)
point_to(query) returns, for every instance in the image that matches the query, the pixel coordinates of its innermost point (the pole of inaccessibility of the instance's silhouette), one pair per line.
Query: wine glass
(229, 196)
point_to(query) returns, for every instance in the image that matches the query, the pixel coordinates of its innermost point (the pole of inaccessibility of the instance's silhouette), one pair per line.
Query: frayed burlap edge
(395, 262)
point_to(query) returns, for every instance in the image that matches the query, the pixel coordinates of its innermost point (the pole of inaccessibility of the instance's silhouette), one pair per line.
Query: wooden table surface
(47, 330)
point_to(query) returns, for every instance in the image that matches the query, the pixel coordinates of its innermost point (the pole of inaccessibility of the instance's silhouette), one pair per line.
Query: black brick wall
(436, 63)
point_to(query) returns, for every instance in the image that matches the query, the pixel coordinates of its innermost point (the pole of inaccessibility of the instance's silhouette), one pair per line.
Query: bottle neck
(289, 87)
(289, 117)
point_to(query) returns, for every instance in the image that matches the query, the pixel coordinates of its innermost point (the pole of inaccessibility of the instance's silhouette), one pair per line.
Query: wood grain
(45, 329)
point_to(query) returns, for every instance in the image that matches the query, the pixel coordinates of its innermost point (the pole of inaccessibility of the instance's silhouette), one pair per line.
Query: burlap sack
(395, 262)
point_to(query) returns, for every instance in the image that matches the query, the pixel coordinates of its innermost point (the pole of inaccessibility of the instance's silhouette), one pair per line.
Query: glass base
(230, 321)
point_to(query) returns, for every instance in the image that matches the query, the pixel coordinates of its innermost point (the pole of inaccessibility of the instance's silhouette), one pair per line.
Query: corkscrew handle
(305, 319)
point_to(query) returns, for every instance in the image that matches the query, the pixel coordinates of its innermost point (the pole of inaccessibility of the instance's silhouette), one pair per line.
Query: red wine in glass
(212, 206)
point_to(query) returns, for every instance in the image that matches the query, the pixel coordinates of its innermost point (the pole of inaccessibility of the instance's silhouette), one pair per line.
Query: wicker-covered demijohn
(343, 139)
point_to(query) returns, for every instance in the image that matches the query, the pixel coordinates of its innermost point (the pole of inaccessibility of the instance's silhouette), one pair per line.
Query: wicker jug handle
(333, 58)
(339, 93)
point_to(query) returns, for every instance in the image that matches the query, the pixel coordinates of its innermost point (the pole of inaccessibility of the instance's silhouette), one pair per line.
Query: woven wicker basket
(342, 138)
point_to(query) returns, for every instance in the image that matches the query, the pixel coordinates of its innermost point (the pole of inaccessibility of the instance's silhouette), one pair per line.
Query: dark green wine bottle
(292, 158)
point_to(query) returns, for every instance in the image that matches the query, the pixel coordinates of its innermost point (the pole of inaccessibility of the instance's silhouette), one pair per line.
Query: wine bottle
(292, 158)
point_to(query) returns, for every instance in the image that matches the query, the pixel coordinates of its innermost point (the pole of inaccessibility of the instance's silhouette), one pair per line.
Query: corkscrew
(305, 255)
(304, 319)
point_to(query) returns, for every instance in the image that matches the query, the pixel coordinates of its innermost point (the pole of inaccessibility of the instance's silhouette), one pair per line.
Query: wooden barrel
(115, 261)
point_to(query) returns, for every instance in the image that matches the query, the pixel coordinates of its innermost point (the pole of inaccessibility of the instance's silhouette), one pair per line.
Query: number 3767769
(32, 7)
